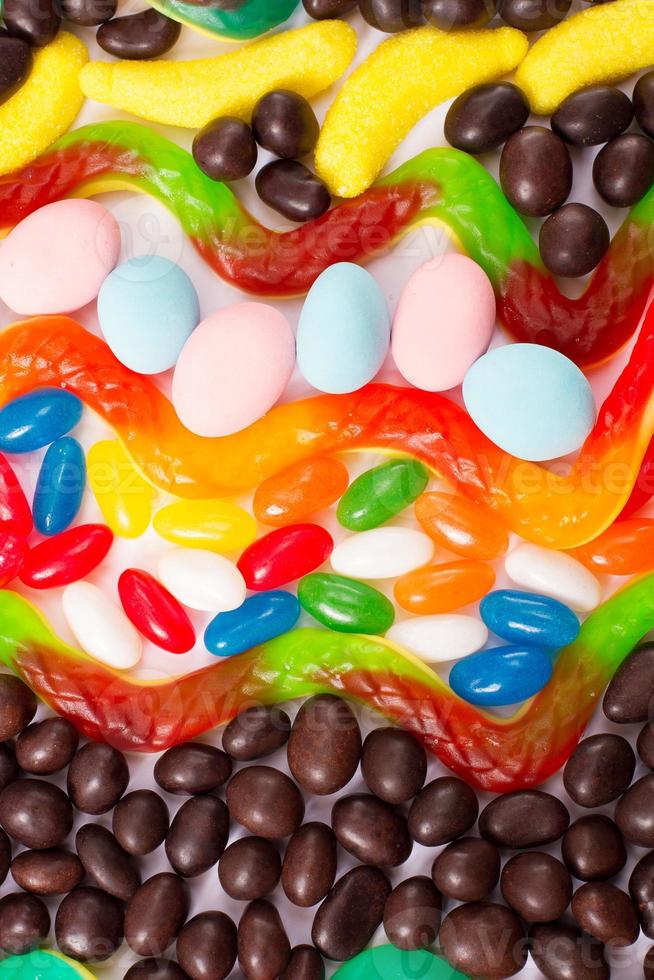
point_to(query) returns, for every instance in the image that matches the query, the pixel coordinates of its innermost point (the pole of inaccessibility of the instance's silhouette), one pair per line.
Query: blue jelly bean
(60, 486)
(525, 617)
(260, 618)
(35, 420)
(503, 675)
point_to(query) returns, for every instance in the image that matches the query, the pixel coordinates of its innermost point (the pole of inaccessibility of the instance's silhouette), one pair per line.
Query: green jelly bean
(390, 963)
(344, 604)
(380, 493)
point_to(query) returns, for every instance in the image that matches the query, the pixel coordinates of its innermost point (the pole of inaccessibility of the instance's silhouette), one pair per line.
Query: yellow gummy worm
(401, 81)
(191, 93)
(602, 44)
(45, 105)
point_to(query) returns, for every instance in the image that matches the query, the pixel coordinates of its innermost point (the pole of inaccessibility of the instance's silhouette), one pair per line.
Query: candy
(147, 34)
(60, 486)
(484, 117)
(16, 59)
(225, 149)
(444, 587)
(50, 872)
(88, 13)
(37, 419)
(536, 171)
(604, 43)
(207, 942)
(483, 938)
(97, 778)
(191, 93)
(46, 746)
(140, 821)
(555, 574)
(501, 676)
(18, 707)
(202, 580)
(593, 116)
(391, 16)
(255, 732)
(265, 801)
(606, 912)
(557, 946)
(310, 863)
(399, 83)
(453, 14)
(293, 190)
(524, 818)
(284, 123)
(344, 604)
(12, 555)
(156, 914)
(36, 23)
(380, 493)
(148, 308)
(623, 549)
(599, 770)
(633, 812)
(506, 389)
(643, 100)
(336, 933)
(534, 15)
(233, 21)
(628, 696)
(325, 9)
(100, 627)
(457, 524)
(383, 552)
(623, 170)
(593, 848)
(324, 747)
(105, 862)
(352, 819)
(197, 836)
(284, 555)
(261, 937)
(299, 491)
(467, 870)
(24, 923)
(573, 240)
(250, 340)
(216, 525)
(343, 331)
(393, 764)
(35, 813)
(188, 770)
(525, 618)
(443, 322)
(537, 886)
(261, 618)
(66, 557)
(122, 495)
(155, 612)
(45, 106)
(436, 639)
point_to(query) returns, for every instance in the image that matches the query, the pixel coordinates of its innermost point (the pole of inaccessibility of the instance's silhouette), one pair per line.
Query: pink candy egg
(444, 321)
(233, 368)
(57, 258)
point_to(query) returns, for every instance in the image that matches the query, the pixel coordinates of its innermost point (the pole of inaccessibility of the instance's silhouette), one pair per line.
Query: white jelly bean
(202, 579)
(383, 552)
(101, 627)
(436, 639)
(553, 573)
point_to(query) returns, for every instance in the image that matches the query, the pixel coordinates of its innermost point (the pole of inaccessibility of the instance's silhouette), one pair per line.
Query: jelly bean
(15, 513)
(122, 494)
(66, 557)
(12, 555)
(438, 638)
(299, 491)
(260, 618)
(344, 604)
(524, 617)
(380, 493)
(215, 525)
(555, 574)
(461, 526)
(383, 552)
(625, 548)
(504, 675)
(37, 419)
(284, 555)
(202, 580)
(60, 486)
(100, 627)
(442, 588)
(155, 612)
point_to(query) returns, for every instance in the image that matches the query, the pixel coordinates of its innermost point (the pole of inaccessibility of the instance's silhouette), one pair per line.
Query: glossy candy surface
(501, 676)
(12, 555)
(217, 525)
(46, 964)
(555, 574)
(380, 493)
(382, 552)
(15, 512)
(60, 486)
(238, 21)
(202, 579)
(625, 548)
(284, 555)
(155, 612)
(461, 526)
(37, 419)
(528, 618)
(100, 626)
(345, 604)
(259, 619)
(444, 587)
(122, 494)
(439, 638)
(66, 557)
(298, 492)
(390, 963)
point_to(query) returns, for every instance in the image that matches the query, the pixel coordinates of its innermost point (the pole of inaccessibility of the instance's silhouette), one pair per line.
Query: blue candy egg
(35, 420)
(525, 617)
(60, 486)
(344, 330)
(530, 401)
(148, 308)
(503, 675)
(261, 617)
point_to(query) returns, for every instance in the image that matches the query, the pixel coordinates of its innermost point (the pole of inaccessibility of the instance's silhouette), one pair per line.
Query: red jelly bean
(66, 557)
(155, 612)
(15, 513)
(12, 555)
(285, 555)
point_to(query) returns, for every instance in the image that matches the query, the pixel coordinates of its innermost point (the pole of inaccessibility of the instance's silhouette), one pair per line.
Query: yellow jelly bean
(123, 496)
(399, 83)
(605, 43)
(45, 105)
(191, 93)
(214, 525)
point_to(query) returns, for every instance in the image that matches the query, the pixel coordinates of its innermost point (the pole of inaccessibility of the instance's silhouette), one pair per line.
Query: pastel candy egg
(530, 401)
(100, 626)
(60, 486)
(202, 579)
(501, 676)
(443, 322)
(56, 259)
(383, 552)
(439, 638)
(555, 574)
(524, 617)
(260, 618)
(233, 368)
(37, 419)
(343, 331)
(148, 308)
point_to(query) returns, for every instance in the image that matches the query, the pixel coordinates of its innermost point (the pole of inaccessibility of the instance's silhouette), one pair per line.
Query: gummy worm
(440, 185)
(489, 752)
(241, 21)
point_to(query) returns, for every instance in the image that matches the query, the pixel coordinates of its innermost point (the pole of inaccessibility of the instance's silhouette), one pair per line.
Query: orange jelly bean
(299, 491)
(442, 588)
(461, 526)
(625, 548)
